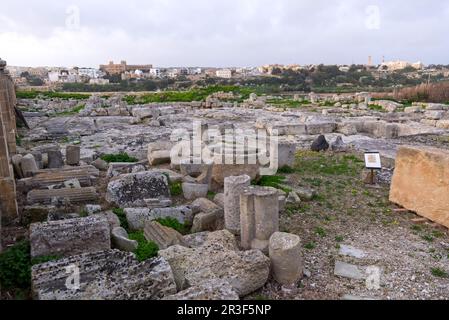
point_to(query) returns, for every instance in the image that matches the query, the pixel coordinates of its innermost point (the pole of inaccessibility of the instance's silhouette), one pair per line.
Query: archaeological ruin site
(237, 196)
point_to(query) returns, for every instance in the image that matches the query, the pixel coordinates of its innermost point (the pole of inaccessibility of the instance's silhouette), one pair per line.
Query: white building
(155, 72)
(90, 73)
(224, 73)
(399, 65)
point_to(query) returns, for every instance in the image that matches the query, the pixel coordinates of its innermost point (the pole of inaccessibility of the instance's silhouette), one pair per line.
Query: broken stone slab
(100, 164)
(350, 251)
(283, 129)
(159, 152)
(73, 154)
(213, 290)
(172, 175)
(286, 153)
(191, 168)
(131, 190)
(194, 191)
(245, 271)
(55, 160)
(286, 258)
(104, 275)
(259, 217)
(15, 161)
(321, 128)
(92, 208)
(45, 178)
(219, 199)
(184, 214)
(346, 270)
(158, 203)
(138, 216)
(421, 182)
(304, 194)
(164, 237)
(204, 222)
(121, 241)
(293, 198)
(234, 186)
(205, 205)
(70, 237)
(28, 166)
(73, 196)
(36, 213)
(117, 168)
(221, 171)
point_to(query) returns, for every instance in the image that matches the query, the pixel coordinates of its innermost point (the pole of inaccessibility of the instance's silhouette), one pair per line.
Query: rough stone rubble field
(96, 213)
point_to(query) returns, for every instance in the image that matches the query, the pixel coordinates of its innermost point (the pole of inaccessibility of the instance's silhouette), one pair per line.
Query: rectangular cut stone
(47, 178)
(421, 182)
(70, 237)
(104, 275)
(163, 236)
(78, 195)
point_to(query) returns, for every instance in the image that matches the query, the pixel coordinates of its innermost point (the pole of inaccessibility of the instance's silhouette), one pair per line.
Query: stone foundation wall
(8, 203)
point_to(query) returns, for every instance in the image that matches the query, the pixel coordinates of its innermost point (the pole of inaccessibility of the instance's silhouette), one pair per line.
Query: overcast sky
(222, 32)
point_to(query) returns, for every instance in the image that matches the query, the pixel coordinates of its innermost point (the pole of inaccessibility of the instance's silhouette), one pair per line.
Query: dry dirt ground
(413, 253)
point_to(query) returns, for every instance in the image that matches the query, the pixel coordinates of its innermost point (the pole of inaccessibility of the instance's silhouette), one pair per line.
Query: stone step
(73, 195)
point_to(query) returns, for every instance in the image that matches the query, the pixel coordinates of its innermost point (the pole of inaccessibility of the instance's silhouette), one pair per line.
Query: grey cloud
(233, 32)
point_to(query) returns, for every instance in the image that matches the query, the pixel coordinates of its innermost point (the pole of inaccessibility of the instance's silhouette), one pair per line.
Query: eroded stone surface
(131, 190)
(245, 271)
(104, 275)
(70, 237)
(421, 182)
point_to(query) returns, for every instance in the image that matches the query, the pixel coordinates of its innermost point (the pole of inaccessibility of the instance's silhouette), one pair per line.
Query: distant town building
(90, 73)
(399, 65)
(123, 67)
(224, 73)
(155, 72)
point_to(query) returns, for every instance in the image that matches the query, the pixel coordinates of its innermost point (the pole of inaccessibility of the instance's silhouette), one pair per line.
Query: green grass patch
(286, 170)
(71, 112)
(174, 224)
(120, 157)
(309, 162)
(175, 188)
(310, 245)
(51, 95)
(428, 238)
(339, 239)
(211, 195)
(440, 273)
(321, 232)
(186, 96)
(274, 182)
(15, 266)
(375, 107)
(120, 213)
(145, 249)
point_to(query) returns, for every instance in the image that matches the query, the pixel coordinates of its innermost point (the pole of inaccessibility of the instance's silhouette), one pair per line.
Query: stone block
(70, 237)
(421, 182)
